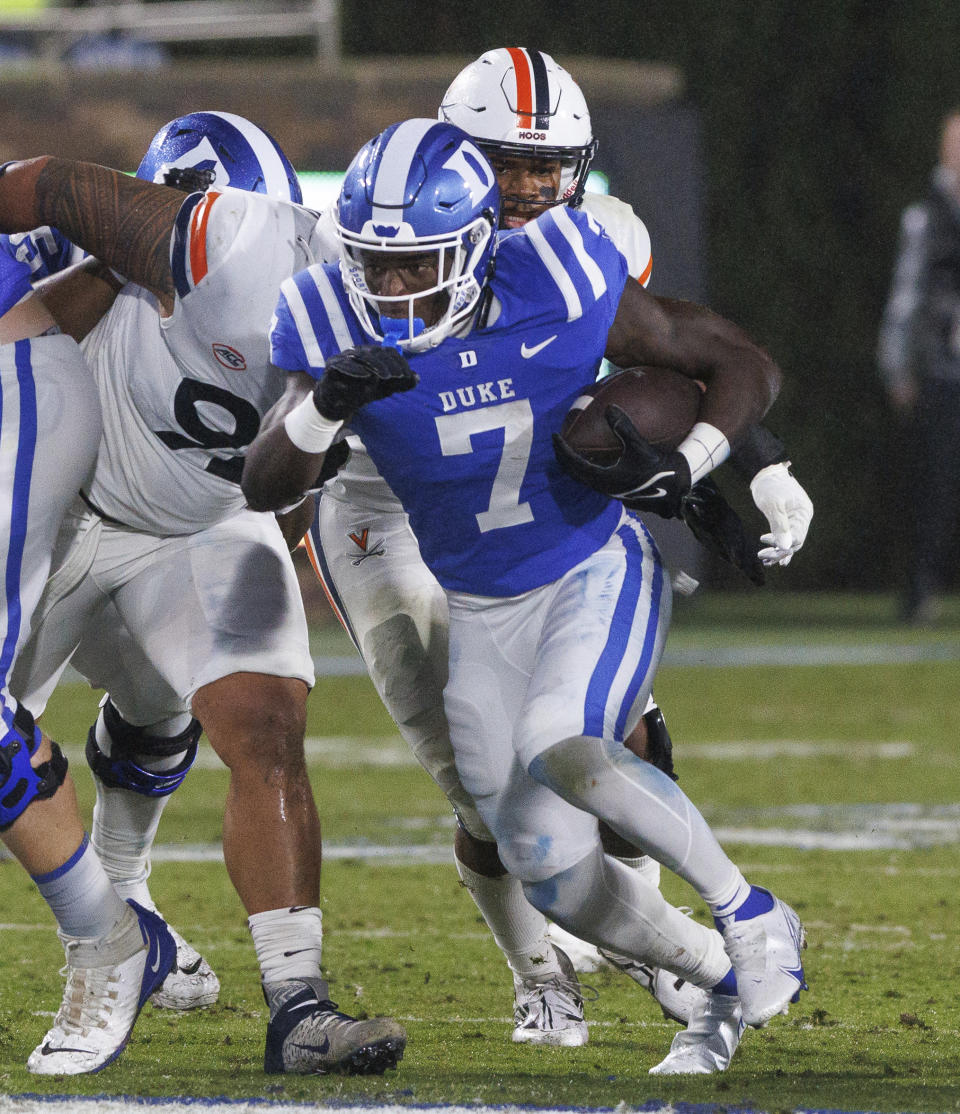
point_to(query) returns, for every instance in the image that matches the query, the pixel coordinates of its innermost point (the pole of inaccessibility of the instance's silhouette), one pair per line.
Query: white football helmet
(515, 101)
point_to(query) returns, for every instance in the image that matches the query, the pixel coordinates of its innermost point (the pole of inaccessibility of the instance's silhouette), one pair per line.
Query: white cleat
(106, 989)
(586, 958)
(677, 998)
(708, 1043)
(550, 1011)
(765, 952)
(191, 984)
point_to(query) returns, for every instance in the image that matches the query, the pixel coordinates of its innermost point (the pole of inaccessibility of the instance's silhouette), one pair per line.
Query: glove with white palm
(787, 509)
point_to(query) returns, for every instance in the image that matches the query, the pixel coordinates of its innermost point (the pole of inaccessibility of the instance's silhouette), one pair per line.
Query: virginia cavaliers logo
(229, 357)
(362, 541)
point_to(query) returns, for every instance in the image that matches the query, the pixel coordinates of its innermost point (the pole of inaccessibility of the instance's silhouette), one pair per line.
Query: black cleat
(308, 1035)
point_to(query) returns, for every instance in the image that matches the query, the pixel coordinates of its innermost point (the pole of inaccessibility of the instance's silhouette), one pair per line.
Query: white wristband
(309, 430)
(705, 447)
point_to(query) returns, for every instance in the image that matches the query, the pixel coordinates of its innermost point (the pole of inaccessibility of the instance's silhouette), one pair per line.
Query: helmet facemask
(574, 167)
(457, 258)
(420, 188)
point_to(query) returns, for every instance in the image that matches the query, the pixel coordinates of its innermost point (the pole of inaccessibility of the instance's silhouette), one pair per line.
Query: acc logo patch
(229, 357)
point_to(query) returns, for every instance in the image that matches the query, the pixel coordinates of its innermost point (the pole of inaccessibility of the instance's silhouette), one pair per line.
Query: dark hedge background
(819, 123)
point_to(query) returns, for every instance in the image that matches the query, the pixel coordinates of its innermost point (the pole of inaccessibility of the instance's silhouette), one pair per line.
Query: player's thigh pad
(390, 604)
(206, 605)
(109, 657)
(491, 646)
(598, 647)
(387, 599)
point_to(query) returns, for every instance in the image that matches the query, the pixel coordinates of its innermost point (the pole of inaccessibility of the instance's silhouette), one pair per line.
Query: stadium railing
(180, 21)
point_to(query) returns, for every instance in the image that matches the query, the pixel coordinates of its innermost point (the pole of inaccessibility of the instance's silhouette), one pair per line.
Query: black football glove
(717, 526)
(358, 376)
(643, 478)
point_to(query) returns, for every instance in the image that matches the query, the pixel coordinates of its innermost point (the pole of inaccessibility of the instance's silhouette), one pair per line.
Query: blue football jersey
(468, 451)
(44, 249)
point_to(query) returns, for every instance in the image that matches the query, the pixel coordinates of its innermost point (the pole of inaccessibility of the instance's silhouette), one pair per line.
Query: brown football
(662, 404)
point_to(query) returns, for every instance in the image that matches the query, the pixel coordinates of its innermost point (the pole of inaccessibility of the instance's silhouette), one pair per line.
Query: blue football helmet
(419, 187)
(218, 148)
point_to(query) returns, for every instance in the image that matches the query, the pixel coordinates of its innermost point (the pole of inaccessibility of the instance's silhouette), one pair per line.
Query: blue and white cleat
(765, 951)
(709, 1041)
(307, 1034)
(106, 989)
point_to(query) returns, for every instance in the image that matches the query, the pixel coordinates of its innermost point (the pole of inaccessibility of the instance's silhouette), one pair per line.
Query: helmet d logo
(229, 357)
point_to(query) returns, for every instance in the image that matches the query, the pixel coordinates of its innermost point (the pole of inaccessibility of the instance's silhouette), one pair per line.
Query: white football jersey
(183, 396)
(358, 481)
(626, 229)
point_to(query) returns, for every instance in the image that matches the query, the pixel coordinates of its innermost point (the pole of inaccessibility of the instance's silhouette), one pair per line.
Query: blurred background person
(919, 361)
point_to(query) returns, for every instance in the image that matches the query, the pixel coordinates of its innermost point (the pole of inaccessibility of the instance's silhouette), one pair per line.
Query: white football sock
(125, 823)
(646, 866)
(288, 943)
(80, 895)
(602, 901)
(519, 930)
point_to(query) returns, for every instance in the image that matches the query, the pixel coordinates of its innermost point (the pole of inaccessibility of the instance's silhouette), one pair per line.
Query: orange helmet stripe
(521, 67)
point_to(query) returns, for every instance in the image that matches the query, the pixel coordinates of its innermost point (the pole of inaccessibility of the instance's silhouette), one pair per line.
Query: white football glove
(786, 507)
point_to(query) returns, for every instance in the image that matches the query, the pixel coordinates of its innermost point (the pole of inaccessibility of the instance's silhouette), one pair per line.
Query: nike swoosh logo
(48, 1051)
(303, 1005)
(153, 962)
(526, 352)
(321, 1048)
(641, 491)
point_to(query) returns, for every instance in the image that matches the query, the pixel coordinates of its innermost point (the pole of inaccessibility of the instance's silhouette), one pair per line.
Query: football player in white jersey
(186, 602)
(530, 118)
(117, 952)
(558, 602)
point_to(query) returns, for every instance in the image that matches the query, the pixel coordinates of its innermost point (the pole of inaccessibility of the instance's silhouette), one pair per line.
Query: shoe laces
(88, 998)
(333, 1016)
(530, 992)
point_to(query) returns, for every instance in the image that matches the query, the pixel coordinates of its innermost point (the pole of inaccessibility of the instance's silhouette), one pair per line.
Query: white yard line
(346, 751)
(66, 1104)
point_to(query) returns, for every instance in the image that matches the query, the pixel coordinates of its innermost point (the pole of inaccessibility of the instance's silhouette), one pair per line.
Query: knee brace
(21, 783)
(659, 743)
(121, 771)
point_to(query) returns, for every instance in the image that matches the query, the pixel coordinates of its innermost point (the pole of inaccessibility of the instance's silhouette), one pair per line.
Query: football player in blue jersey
(185, 603)
(394, 609)
(117, 952)
(455, 359)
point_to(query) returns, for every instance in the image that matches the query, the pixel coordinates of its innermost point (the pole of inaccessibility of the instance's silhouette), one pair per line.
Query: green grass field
(837, 784)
